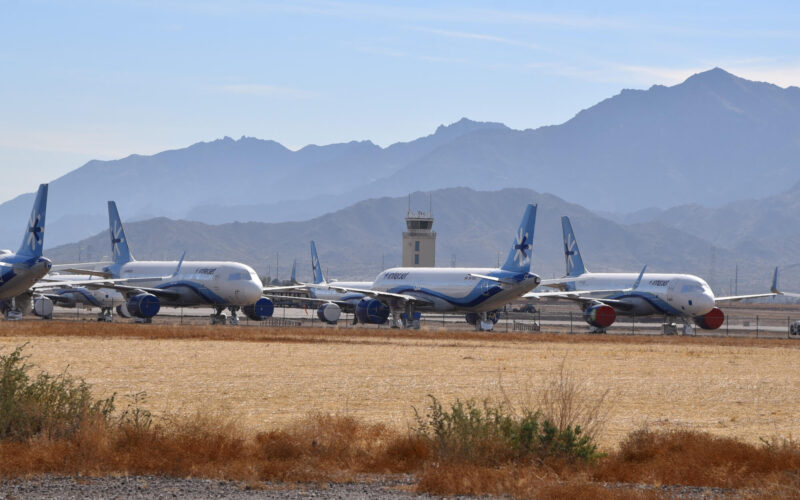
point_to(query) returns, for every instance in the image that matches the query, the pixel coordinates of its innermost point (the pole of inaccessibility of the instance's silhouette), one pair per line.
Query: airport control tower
(419, 241)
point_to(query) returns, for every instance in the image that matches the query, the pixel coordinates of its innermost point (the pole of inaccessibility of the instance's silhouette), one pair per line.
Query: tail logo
(116, 239)
(35, 232)
(522, 247)
(569, 249)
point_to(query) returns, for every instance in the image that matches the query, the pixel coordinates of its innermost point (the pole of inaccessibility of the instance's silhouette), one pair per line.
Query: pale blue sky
(103, 79)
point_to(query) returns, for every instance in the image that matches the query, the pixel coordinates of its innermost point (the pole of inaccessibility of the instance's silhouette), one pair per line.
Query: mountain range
(709, 140)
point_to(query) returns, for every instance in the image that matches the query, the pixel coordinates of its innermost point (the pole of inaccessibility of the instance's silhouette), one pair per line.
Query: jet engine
(711, 320)
(43, 307)
(372, 311)
(144, 305)
(261, 310)
(122, 310)
(600, 315)
(329, 313)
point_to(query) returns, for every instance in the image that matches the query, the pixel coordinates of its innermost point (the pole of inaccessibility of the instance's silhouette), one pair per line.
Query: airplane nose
(253, 292)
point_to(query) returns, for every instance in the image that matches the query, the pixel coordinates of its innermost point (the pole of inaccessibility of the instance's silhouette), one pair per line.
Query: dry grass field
(267, 378)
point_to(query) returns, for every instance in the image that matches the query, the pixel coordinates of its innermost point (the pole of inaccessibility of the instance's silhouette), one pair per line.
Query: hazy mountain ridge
(474, 226)
(711, 139)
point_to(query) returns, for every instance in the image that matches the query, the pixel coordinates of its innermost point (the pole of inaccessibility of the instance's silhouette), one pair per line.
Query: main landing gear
(220, 318)
(408, 318)
(105, 315)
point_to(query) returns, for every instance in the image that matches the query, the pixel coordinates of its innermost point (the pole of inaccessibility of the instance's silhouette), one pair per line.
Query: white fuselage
(455, 289)
(668, 294)
(199, 283)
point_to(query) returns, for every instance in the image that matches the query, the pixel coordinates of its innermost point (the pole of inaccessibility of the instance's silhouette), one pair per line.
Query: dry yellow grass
(744, 390)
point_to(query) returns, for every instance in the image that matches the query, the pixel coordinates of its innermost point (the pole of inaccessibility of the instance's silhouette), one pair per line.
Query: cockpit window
(692, 287)
(238, 276)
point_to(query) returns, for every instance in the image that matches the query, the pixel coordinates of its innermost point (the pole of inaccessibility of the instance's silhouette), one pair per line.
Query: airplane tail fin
(572, 254)
(293, 278)
(120, 252)
(316, 270)
(519, 258)
(33, 240)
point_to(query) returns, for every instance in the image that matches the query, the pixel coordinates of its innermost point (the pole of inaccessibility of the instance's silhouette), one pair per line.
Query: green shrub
(51, 405)
(489, 435)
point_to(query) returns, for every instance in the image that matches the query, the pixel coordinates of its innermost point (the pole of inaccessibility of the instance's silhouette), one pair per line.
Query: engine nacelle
(329, 313)
(600, 315)
(43, 307)
(711, 320)
(261, 310)
(122, 310)
(372, 311)
(144, 305)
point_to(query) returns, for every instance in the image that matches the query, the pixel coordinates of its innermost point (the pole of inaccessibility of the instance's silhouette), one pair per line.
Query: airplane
(480, 293)
(20, 271)
(332, 302)
(71, 291)
(146, 285)
(604, 296)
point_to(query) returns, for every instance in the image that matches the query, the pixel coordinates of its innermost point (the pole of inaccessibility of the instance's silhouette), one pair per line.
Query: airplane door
(673, 285)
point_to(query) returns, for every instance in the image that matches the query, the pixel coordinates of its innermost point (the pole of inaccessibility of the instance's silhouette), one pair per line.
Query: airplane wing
(584, 297)
(126, 289)
(494, 278)
(375, 293)
(753, 296)
(301, 286)
(310, 299)
(87, 272)
(773, 291)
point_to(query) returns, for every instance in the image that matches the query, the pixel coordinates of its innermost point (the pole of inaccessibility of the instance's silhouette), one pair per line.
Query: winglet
(774, 288)
(639, 279)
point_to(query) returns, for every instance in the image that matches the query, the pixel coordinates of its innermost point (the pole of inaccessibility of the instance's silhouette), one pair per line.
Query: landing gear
(596, 329)
(670, 328)
(687, 328)
(408, 318)
(233, 319)
(486, 322)
(105, 315)
(10, 310)
(220, 318)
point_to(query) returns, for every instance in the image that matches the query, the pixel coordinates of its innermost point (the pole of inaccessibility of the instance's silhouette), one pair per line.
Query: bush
(490, 435)
(51, 405)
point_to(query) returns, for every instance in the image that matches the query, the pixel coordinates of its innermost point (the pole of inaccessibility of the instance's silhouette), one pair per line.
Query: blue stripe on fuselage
(205, 293)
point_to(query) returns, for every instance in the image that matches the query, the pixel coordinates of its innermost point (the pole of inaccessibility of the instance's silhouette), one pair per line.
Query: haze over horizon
(97, 80)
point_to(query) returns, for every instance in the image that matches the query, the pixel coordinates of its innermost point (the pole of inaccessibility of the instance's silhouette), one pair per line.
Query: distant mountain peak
(465, 125)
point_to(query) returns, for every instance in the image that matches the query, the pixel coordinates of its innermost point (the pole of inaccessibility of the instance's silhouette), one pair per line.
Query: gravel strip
(158, 487)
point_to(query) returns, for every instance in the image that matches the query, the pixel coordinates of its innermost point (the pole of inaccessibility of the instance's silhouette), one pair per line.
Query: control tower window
(416, 246)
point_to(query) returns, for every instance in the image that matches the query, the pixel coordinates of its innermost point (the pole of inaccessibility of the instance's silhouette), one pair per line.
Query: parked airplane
(217, 284)
(479, 292)
(603, 296)
(69, 290)
(19, 271)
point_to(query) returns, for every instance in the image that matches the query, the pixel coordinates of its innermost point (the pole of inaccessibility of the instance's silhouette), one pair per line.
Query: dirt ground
(267, 377)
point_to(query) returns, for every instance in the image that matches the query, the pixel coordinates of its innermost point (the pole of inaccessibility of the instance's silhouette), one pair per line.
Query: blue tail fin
(572, 254)
(120, 252)
(293, 277)
(519, 258)
(33, 241)
(316, 270)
